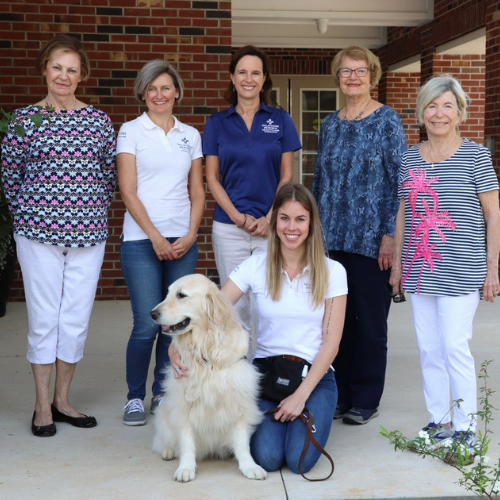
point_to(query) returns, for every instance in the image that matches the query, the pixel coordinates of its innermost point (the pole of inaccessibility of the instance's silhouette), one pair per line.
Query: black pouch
(281, 378)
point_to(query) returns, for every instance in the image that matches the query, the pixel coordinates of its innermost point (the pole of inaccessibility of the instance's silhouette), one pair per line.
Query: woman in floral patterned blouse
(355, 186)
(59, 180)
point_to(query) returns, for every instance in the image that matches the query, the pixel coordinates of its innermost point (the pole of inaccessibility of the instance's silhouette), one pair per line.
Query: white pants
(444, 327)
(232, 246)
(60, 285)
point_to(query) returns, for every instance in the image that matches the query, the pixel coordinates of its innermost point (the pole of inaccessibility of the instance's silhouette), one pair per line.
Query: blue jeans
(148, 279)
(275, 444)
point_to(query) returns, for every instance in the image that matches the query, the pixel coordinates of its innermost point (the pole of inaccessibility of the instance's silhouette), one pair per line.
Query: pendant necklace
(359, 115)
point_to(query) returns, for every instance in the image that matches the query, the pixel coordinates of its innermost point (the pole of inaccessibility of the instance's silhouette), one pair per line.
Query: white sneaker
(134, 413)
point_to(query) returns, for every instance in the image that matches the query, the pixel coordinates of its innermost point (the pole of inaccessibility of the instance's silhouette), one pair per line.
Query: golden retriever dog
(213, 411)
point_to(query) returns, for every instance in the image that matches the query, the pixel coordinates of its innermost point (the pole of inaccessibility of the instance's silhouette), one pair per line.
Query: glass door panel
(316, 104)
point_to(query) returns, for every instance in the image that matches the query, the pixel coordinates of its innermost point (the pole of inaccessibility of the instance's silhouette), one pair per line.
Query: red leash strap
(308, 421)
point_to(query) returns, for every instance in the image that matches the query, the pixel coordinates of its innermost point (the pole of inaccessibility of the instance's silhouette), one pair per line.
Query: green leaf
(37, 119)
(19, 129)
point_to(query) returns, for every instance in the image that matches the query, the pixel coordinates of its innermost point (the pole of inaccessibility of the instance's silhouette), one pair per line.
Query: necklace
(251, 112)
(444, 153)
(293, 269)
(358, 117)
(48, 104)
(165, 128)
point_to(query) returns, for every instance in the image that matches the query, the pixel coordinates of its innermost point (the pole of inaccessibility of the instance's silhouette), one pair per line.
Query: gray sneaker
(155, 402)
(134, 413)
(359, 416)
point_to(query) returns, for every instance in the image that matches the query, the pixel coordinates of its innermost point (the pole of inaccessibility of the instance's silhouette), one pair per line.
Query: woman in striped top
(448, 209)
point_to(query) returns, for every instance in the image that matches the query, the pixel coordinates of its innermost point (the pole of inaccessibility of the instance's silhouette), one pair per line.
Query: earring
(422, 127)
(371, 85)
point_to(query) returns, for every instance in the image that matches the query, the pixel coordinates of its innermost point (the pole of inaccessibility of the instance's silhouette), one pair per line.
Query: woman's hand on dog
(291, 407)
(175, 360)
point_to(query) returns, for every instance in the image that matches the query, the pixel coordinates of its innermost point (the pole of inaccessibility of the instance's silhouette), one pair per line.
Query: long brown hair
(249, 50)
(315, 251)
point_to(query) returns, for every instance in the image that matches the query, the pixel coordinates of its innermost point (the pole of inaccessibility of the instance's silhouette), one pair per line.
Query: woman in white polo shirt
(300, 296)
(161, 182)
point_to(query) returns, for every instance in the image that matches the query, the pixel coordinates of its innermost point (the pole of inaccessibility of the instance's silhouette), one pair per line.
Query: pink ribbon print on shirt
(430, 219)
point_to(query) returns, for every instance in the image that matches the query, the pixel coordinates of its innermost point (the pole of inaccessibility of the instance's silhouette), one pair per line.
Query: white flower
(477, 459)
(496, 487)
(423, 435)
(447, 443)
(427, 441)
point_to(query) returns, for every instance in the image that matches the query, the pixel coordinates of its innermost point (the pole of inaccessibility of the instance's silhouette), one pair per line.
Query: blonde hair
(358, 53)
(436, 86)
(315, 252)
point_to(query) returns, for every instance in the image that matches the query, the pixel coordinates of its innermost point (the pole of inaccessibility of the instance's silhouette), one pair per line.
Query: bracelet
(244, 222)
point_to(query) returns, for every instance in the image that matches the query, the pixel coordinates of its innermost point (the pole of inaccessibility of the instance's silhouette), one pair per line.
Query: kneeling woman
(301, 298)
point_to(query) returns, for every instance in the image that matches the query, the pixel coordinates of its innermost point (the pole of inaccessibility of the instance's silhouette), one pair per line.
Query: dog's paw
(168, 454)
(254, 472)
(184, 475)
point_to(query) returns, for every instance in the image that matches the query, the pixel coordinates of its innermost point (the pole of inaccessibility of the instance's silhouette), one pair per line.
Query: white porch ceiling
(296, 23)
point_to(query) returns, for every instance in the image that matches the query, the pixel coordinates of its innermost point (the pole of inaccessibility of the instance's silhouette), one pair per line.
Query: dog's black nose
(155, 314)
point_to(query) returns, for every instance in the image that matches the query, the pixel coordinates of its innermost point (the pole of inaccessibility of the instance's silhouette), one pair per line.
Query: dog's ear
(218, 308)
(225, 340)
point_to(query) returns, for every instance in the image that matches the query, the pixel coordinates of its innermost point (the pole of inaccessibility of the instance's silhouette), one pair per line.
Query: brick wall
(401, 95)
(120, 36)
(300, 61)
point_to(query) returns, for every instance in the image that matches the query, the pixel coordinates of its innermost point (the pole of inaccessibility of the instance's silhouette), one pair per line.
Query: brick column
(402, 89)
(469, 70)
(492, 84)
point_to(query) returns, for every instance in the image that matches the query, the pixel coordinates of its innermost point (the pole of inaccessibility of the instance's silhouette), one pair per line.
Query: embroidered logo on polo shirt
(122, 133)
(184, 146)
(307, 287)
(270, 128)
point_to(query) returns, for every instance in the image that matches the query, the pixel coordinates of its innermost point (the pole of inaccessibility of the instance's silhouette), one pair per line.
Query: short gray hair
(436, 86)
(151, 71)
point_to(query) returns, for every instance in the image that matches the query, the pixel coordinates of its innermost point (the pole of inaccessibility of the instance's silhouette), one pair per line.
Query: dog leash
(308, 421)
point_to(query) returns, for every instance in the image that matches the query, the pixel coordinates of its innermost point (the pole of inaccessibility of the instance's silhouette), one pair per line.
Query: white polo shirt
(292, 325)
(162, 163)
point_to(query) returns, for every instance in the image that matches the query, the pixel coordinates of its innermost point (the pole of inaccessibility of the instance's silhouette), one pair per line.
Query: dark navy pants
(361, 362)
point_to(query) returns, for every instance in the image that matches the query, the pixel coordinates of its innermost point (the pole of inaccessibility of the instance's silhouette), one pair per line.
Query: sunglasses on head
(396, 297)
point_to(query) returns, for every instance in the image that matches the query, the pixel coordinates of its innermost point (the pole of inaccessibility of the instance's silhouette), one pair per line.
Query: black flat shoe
(85, 422)
(42, 430)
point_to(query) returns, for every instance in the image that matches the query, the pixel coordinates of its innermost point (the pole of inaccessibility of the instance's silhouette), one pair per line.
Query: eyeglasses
(346, 72)
(397, 298)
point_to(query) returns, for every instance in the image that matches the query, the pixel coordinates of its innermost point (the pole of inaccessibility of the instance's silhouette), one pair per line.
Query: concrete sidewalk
(113, 461)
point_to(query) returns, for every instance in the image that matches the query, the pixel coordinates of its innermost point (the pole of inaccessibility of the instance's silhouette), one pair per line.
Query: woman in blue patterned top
(355, 186)
(59, 181)
(446, 253)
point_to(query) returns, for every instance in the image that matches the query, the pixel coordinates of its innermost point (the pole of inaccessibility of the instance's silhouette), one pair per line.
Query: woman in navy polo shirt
(249, 151)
